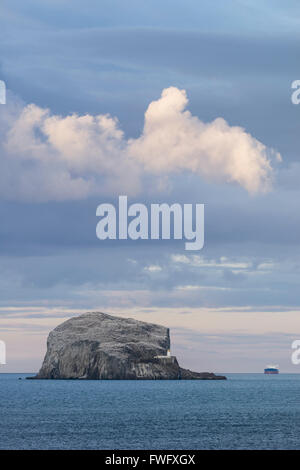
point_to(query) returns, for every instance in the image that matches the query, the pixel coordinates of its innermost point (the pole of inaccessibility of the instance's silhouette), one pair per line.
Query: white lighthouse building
(168, 356)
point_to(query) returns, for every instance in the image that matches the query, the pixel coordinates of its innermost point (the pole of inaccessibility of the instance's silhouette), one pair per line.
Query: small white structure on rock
(168, 356)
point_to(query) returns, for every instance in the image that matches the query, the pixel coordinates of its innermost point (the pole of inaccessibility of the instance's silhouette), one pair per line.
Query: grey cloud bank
(110, 88)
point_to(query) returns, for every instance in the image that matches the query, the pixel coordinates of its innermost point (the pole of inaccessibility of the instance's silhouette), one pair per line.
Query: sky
(164, 102)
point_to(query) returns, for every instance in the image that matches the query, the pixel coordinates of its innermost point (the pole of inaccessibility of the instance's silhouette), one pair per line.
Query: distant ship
(272, 370)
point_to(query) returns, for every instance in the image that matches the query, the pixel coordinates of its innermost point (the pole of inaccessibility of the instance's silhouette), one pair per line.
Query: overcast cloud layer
(188, 105)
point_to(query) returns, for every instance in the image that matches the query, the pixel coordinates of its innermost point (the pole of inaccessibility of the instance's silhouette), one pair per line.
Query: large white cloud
(51, 157)
(174, 140)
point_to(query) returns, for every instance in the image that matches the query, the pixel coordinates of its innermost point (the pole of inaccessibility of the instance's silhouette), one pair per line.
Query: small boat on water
(271, 370)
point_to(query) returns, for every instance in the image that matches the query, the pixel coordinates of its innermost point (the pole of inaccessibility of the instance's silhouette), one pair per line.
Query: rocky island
(100, 346)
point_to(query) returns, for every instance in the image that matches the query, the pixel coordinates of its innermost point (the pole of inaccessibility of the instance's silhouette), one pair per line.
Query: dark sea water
(248, 411)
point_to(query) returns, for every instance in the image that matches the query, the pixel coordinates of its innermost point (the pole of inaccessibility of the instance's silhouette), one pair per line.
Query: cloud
(199, 261)
(174, 140)
(51, 157)
(153, 268)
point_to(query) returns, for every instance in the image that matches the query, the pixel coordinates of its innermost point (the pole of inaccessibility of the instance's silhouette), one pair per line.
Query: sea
(247, 411)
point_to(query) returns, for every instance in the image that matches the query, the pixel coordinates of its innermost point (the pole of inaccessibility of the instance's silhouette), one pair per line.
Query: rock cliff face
(101, 346)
